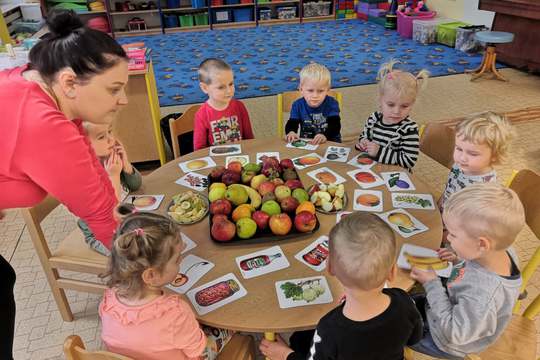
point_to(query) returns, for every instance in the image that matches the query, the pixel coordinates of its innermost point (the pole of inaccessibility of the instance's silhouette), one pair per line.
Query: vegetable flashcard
(304, 144)
(398, 181)
(193, 181)
(190, 244)
(337, 153)
(242, 159)
(222, 150)
(262, 262)
(216, 293)
(315, 254)
(368, 200)
(365, 178)
(302, 292)
(422, 258)
(191, 269)
(413, 201)
(197, 164)
(305, 161)
(268, 154)
(144, 202)
(326, 176)
(362, 161)
(403, 223)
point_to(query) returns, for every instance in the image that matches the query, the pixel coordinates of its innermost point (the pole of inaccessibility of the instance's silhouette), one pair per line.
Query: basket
(405, 22)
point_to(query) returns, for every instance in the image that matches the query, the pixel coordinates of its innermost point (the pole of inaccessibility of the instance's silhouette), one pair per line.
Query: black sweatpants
(7, 309)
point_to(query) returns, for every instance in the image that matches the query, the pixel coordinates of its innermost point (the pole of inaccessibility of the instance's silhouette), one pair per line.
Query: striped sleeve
(404, 147)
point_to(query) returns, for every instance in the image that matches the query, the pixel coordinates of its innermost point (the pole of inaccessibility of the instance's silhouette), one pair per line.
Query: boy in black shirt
(373, 322)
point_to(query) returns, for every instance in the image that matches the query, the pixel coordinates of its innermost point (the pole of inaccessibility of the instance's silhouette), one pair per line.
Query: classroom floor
(40, 331)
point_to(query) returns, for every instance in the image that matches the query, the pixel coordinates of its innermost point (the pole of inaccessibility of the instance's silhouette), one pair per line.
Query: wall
(464, 10)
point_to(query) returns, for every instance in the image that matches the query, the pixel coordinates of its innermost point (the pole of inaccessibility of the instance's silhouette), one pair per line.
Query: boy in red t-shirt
(221, 118)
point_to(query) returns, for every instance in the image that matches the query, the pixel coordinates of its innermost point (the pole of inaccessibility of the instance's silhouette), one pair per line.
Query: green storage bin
(262, 1)
(201, 19)
(185, 20)
(446, 33)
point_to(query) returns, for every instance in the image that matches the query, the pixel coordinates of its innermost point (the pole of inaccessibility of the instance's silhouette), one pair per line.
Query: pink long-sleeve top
(43, 152)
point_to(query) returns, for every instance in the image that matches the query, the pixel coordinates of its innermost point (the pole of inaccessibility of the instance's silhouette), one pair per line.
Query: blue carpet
(266, 59)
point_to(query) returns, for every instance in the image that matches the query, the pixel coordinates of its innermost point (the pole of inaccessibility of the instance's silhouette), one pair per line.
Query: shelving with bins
(272, 9)
(135, 17)
(184, 15)
(87, 10)
(232, 13)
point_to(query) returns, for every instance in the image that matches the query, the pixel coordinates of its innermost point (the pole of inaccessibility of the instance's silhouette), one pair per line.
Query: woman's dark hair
(71, 44)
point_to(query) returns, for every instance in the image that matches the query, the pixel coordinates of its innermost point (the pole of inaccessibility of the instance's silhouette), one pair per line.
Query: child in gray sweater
(472, 310)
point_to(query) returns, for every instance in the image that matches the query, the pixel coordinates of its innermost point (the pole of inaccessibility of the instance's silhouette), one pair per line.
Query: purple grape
(402, 184)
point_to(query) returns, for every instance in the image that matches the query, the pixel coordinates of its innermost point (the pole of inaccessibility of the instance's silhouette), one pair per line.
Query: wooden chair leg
(70, 344)
(60, 297)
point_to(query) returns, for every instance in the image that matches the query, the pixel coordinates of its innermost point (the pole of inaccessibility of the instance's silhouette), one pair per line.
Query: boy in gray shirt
(472, 310)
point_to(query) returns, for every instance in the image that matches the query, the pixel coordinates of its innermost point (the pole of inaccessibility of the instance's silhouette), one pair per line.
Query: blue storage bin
(171, 21)
(243, 15)
(222, 16)
(232, 2)
(198, 4)
(173, 4)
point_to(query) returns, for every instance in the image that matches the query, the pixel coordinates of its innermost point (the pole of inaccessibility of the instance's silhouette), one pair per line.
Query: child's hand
(291, 136)
(447, 255)
(362, 144)
(372, 148)
(275, 350)
(423, 276)
(121, 151)
(113, 164)
(318, 139)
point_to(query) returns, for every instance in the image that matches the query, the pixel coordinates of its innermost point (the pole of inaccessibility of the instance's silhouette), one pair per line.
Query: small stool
(488, 62)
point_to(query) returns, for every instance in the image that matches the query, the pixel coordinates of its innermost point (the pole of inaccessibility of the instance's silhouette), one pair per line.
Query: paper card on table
(242, 159)
(423, 258)
(340, 215)
(326, 176)
(197, 164)
(305, 161)
(262, 262)
(368, 200)
(362, 160)
(144, 202)
(304, 144)
(191, 269)
(337, 153)
(216, 293)
(315, 254)
(403, 223)
(397, 181)
(190, 244)
(302, 292)
(222, 150)
(269, 154)
(193, 181)
(365, 178)
(413, 201)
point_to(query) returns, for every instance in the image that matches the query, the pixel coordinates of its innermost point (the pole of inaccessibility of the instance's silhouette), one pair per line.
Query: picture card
(193, 181)
(222, 150)
(413, 201)
(262, 262)
(242, 159)
(362, 160)
(191, 269)
(403, 223)
(368, 200)
(340, 215)
(302, 292)
(326, 176)
(216, 293)
(367, 179)
(269, 154)
(190, 244)
(422, 257)
(398, 181)
(308, 160)
(315, 254)
(197, 164)
(337, 153)
(304, 144)
(144, 202)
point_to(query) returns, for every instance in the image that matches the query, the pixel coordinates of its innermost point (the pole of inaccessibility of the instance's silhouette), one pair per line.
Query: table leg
(270, 336)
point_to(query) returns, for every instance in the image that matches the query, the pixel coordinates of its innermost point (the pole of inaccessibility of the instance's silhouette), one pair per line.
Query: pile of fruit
(257, 200)
(328, 198)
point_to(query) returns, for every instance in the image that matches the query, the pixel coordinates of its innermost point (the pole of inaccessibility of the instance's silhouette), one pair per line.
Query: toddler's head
(482, 218)
(397, 91)
(481, 141)
(101, 138)
(315, 82)
(145, 254)
(362, 251)
(217, 81)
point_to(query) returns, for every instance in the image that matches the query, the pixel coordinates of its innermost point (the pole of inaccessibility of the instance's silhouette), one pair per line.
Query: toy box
(405, 22)
(425, 31)
(318, 8)
(287, 12)
(465, 40)
(265, 14)
(446, 32)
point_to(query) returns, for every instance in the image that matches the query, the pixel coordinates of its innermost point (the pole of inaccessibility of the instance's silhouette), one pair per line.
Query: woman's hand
(121, 151)
(275, 350)
(318, 139)
(291, 136)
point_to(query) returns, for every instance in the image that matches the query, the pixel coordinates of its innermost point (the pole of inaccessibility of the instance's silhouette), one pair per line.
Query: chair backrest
(286, 99)
(437, 142)
(74, 350)
(183, 125)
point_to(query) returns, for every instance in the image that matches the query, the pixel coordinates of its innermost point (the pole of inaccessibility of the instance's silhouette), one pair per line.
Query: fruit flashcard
(190, 244)
(337, 153)
(242, 159)
(315, 254)
(362, 161)
(305, 161)
(222, 150)
(340, 215)
(216, 293)
(191, 269)
(304, 144)
(326, 176)
(398, 181)
(403, 223)
(193, 181)
(302, 292)
(413, 201)
(365, 178)
(368, 200)
(422, 258)
(144, 202)
(268, 154)
(197, 164)
(262, 262)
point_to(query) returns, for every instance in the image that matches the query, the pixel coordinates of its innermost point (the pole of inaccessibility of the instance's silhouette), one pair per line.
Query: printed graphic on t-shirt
(315, 125)
(225, 130)
(457, 274)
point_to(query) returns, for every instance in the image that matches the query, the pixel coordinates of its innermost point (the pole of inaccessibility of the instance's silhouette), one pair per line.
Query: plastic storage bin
(405, 22)
(186, 20)
(173, 4)
(446, 33)
(317, 8)
(222, 16)
(232, 2)
(197, 4)
(241, 15)
(201, 19)
(425, 31)
(286, 12)
(265, 14)
(465, 40)
(217, 2)
(170, 21)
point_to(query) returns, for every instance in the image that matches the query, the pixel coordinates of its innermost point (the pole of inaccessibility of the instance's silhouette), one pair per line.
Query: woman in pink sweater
(74, 73)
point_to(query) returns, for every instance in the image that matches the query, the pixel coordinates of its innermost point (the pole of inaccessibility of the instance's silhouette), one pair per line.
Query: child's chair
(437, 141)
(183, 127)
(285, 101)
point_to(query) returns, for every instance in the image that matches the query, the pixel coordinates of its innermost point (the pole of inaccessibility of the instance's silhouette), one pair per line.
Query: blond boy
(316, 114)
(372, 322)
(472, 310)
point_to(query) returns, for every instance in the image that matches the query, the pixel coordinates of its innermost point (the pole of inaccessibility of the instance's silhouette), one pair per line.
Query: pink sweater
(42, 152)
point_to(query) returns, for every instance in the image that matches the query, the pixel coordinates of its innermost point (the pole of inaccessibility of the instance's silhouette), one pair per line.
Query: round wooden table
(259, 310)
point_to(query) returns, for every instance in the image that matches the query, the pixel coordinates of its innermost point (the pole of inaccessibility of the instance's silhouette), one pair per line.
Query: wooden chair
(182, 125)
(437, 141)
(72, 254)
(285, 101)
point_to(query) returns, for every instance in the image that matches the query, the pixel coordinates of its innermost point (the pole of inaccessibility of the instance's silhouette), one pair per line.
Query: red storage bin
(362, 16)
(405, 22)
(246, 1)
(217, 2)
(384, 6)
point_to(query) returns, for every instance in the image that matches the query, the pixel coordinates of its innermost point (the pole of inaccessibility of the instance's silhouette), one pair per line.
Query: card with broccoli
(302, 292)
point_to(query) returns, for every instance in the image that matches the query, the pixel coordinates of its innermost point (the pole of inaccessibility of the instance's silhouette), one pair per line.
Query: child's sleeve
(247, 132)
(187, 333)
(364, 134)
(333, 120)
(133, 181)
(405, 152)
(200, 130)
(294, 119)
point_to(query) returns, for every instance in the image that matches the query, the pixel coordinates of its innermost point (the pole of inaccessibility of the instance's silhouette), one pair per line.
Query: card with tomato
(191, 269)
(367, 179)
(362, 161)
(315, 254)
(308, 160)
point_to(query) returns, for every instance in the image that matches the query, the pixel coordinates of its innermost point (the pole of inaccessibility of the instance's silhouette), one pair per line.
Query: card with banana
(422, 258)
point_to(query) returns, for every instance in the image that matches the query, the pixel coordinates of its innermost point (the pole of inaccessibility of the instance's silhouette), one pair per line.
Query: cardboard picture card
(144, 202)
(191, 269)
(368, 200)
(337, 153)
(262, 262)
(315, 254)
(190, 244)
(367, 179)
(269, 154)
(403, 223)
(193, 181)
(242, 159)
(398, 181)
(340, 215)
(362, 161)
(197, 164)
(413, 201)
(216, 293)
(308, 160)
(326, 176)
(224, 150)
(304, 144)
(413, 255)
(303, 292)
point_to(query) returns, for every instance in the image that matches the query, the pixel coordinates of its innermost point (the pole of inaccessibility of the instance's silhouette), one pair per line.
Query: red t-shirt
(221, 126)
(42, 152)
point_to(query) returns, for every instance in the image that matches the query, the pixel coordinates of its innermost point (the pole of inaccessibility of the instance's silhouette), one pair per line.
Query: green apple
(246, 228)
(271, 207)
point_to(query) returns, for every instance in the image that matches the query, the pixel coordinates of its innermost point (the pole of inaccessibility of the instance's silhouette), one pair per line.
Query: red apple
(223, 230)
(221, 206)
(286, 164)
(266, 187)
(289, 204)
(278, 181)
(261, 218)
(235, 166)
(219, 217)
(230, 177)
(217, 173)
(294, 184)
(280, 224)
(305, 221)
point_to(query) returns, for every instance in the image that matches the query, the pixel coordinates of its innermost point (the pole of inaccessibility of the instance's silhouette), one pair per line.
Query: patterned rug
(267, 59)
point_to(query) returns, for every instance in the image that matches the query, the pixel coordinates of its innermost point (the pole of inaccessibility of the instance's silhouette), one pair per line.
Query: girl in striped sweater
(389, 135)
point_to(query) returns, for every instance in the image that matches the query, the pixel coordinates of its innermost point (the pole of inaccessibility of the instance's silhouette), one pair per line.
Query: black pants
(7, 309)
